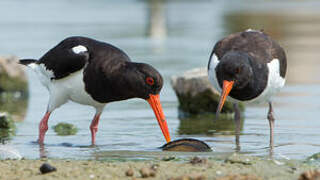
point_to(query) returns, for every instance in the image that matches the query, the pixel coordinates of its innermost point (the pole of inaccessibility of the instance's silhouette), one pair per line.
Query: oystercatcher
(95, 73)
(247, 66)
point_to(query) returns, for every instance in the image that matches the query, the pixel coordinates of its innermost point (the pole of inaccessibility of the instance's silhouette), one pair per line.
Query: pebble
(129, 172)
(47, 168)
(197, 160)
(147, 172)
(310, 175)
(168, 158)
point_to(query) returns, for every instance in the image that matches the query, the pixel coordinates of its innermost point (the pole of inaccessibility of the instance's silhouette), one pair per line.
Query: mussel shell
(186, 145)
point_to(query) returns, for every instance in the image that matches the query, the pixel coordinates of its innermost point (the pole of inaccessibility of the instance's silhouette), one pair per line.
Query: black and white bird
(247, 66)
(95, 73)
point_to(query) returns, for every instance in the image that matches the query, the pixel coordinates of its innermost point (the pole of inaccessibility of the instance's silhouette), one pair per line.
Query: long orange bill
(227, 86)
(154, 102)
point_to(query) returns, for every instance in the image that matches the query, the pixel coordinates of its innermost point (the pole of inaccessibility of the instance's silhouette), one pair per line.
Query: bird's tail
(26, 62)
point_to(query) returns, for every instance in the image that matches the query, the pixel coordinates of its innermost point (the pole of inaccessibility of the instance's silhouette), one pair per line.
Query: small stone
(155, 167)
(197, 160)
(47, 168)
(129, 172)
(310, 175)
(145, 172)
(152, 173)
(168, 158)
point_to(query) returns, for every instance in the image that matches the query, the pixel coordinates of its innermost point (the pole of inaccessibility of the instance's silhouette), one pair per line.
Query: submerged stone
(7, 127)
(65, 129)
(186, 145)
(196, 95)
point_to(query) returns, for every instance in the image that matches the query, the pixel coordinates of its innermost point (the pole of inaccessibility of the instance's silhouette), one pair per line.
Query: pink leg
(43, 127)
(94, 128)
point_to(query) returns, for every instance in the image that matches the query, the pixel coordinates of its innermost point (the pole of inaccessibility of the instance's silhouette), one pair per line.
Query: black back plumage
(63, 61)
(256, 44)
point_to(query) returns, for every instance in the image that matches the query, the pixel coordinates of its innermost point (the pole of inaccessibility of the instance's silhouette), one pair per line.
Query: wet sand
(232, 167)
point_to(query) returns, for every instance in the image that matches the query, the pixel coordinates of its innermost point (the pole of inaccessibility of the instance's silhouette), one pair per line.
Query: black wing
(62, 59)
(257, 44)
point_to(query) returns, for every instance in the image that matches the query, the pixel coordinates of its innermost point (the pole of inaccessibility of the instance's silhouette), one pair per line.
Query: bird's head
(148, 85)
(234, 72)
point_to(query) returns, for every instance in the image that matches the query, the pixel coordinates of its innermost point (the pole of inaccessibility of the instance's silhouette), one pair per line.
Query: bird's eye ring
(150, 81)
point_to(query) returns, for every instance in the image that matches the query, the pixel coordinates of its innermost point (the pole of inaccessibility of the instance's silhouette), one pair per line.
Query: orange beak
(155, 104)
(227, 86)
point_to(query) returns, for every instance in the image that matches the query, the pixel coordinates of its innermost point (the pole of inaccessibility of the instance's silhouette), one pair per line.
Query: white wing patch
(79, 49)
(212, 75)
(252, 30)
(275, 82)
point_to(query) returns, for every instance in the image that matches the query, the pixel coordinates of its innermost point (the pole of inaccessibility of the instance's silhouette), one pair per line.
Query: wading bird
(95, 73)
(247, 66)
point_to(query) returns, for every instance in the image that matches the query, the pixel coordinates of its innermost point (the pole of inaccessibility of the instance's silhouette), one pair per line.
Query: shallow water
(128, 128)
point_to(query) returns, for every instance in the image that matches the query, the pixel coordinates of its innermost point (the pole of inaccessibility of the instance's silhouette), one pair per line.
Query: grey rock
(12, 75)
(196, 95)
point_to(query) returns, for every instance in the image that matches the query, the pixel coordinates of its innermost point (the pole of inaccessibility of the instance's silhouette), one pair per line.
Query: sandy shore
(242, 167)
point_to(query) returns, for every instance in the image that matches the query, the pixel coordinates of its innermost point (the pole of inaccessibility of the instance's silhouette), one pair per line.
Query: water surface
(129, 128)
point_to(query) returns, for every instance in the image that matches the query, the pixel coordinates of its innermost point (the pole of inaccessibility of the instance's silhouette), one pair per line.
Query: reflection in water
(14, 104)
(156, 19)
(15, 107)
(207, 125)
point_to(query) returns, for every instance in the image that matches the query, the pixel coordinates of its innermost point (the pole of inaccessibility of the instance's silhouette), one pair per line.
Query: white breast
(73, 87)
(274, 84)
(212, 72)
(70, 87)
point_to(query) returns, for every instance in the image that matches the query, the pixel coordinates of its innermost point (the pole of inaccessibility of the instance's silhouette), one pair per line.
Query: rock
(168, 158)
(310, 175)
(12, 76)
(47, 168)
(186, 145)
(196, 95)
(197, 160)
(240, 177)
(7, 152)
(129, 172)
(7, 127)
(314, 157)
(147, 172)
(65, 129)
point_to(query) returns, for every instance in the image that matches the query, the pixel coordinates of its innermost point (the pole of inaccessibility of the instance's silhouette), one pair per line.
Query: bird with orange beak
(95, 73)
(247, 66)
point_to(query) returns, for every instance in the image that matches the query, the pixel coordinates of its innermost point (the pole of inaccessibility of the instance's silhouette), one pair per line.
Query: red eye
(150, 81)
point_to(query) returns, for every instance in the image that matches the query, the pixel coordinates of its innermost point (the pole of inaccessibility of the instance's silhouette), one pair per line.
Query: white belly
(72, 87)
